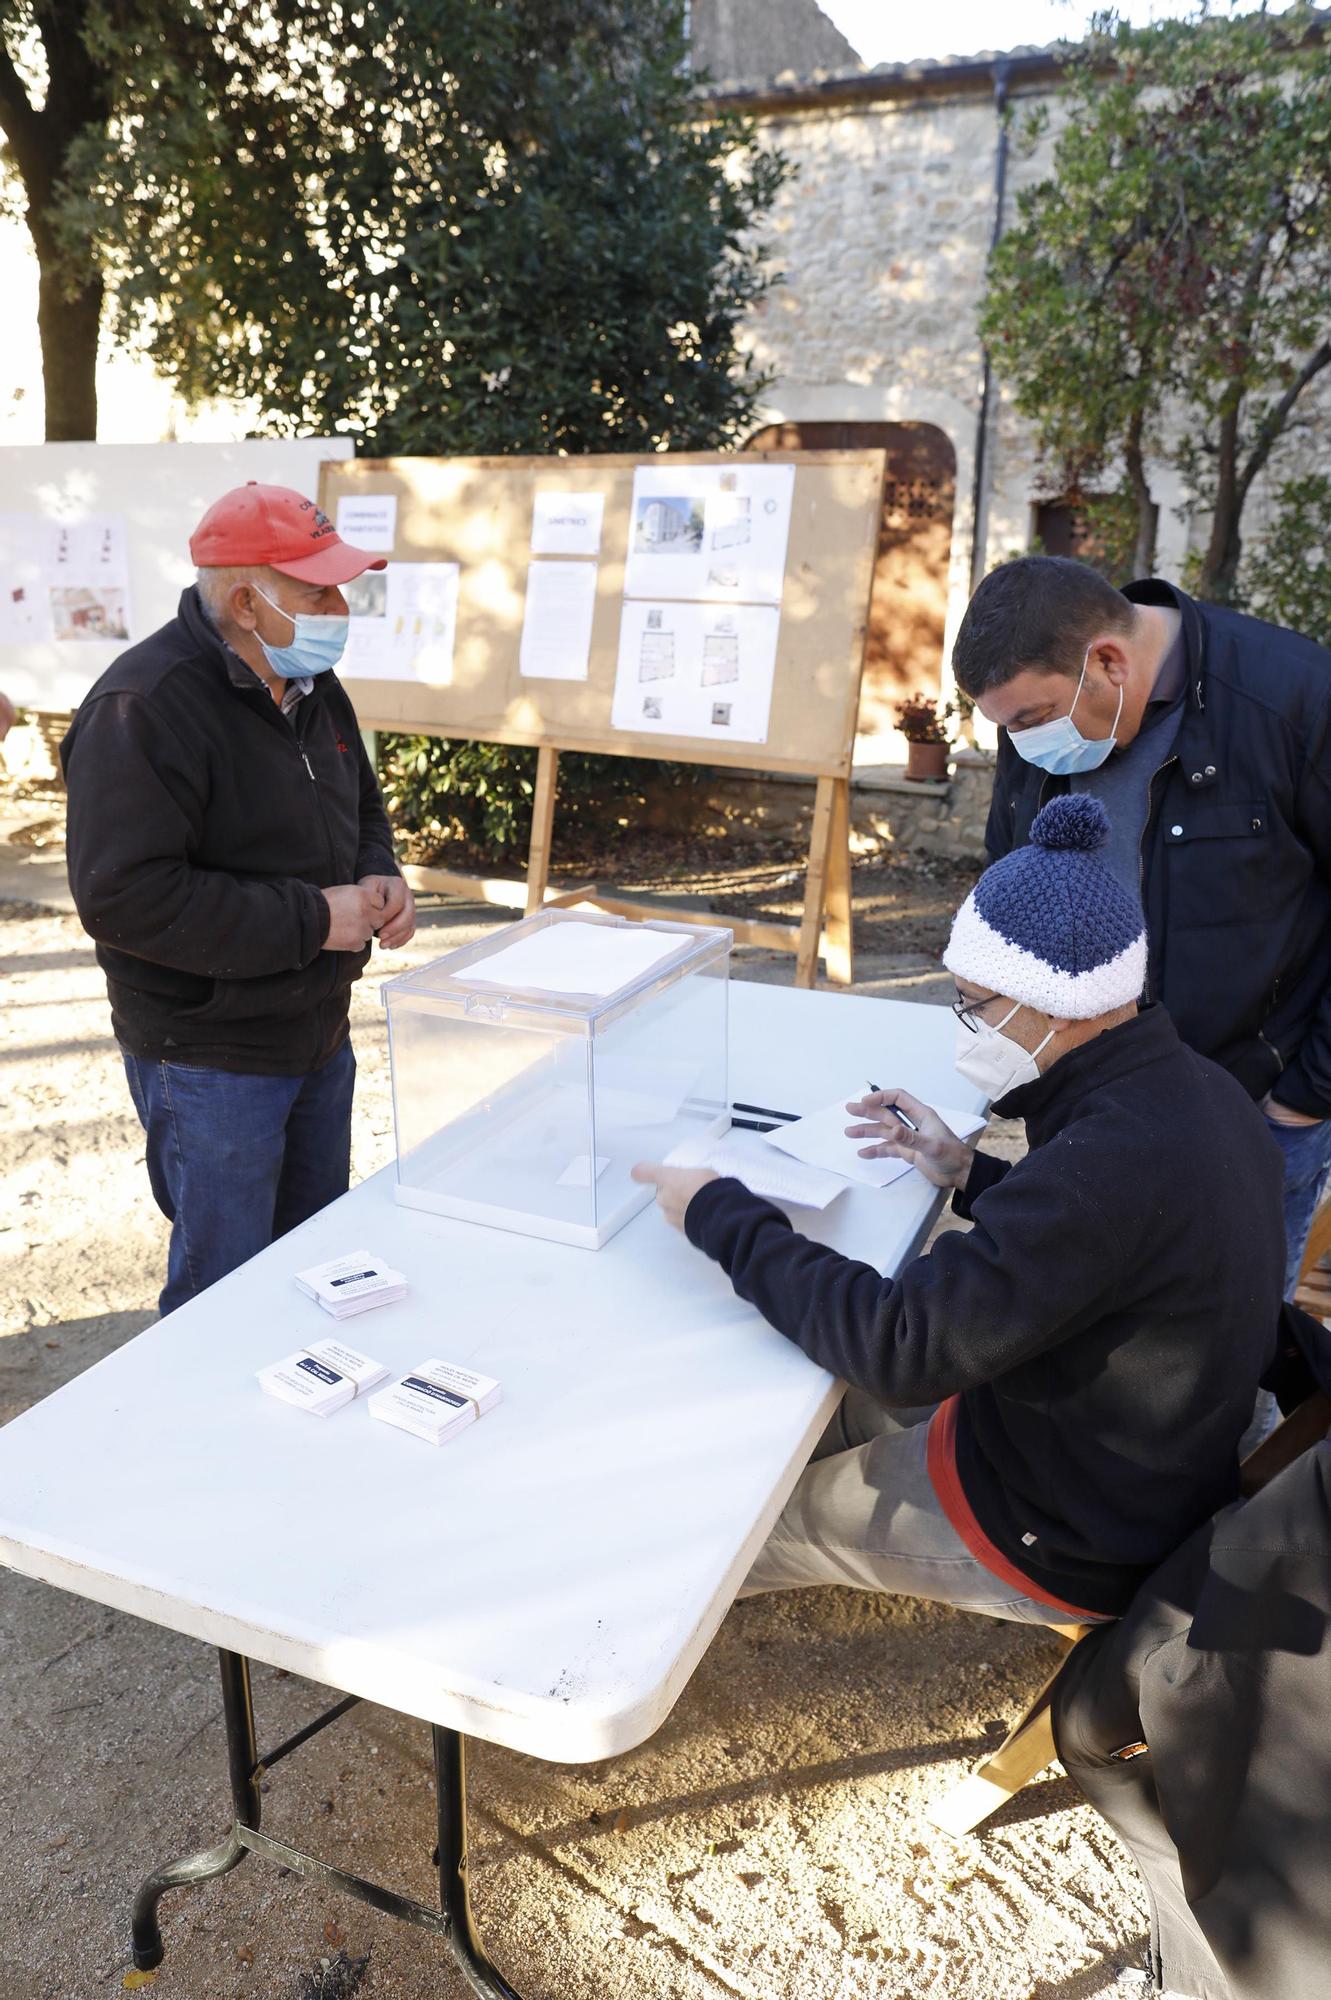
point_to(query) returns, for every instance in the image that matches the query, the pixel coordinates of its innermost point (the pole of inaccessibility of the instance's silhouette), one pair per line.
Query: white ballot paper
(566, 524)
(743, 1156)
(557, 621)
(820, 1141)
(575, 958)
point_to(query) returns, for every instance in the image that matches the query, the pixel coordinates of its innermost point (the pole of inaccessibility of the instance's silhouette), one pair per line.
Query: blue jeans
(1307, 1153)
(235, 1161)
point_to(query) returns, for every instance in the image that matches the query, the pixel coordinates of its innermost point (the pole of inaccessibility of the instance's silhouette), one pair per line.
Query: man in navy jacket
(1042, 1407)
(1206, 735)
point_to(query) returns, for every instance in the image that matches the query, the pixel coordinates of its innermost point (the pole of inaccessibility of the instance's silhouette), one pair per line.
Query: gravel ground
(768, 1844)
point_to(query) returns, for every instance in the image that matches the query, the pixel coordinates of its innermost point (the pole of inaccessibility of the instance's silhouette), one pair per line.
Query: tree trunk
(1220, 566)
(69, 326)
(1143, 554)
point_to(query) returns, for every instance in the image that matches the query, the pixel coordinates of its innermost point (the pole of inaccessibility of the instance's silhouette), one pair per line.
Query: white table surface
(550, 1578)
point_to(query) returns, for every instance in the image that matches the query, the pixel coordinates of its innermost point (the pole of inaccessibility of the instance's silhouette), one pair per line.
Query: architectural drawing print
(656, 657)
(720, 658)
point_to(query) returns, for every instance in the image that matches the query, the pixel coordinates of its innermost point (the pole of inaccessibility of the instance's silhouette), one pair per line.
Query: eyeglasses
(967, 1010)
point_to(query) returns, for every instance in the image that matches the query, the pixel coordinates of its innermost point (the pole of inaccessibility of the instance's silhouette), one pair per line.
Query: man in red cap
(230, 854)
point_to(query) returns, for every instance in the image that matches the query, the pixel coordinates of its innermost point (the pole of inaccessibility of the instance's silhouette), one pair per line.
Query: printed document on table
(696, 670)
(820, 1141)
(567, 524)
(557, 621)
(714, 533)
(575, 958)
(742, 1156)
(403, 624)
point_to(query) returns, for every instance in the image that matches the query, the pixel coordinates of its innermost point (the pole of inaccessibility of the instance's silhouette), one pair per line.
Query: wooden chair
(1313, 1291)
(1021, 1756)
(1029, 1744)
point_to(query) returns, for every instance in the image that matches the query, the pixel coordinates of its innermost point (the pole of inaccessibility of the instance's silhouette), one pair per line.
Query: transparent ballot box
(532, 1070)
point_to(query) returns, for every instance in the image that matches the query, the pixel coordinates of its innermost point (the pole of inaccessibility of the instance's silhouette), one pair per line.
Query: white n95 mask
(1059, 746)
(992, 1061)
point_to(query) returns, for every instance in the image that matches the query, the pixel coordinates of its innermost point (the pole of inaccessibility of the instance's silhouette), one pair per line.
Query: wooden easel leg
(840, 946)
(815, 884)
(542, 823)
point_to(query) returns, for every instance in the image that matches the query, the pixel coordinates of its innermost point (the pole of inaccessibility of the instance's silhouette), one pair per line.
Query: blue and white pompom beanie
(1048, 924)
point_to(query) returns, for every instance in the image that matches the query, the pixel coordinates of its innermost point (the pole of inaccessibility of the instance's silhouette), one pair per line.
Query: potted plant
(924, 725)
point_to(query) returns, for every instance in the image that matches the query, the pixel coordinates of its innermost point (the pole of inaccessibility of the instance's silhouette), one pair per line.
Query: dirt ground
(768, 1844)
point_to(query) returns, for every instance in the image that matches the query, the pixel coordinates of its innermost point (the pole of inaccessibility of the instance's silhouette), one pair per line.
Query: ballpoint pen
(909, 1123)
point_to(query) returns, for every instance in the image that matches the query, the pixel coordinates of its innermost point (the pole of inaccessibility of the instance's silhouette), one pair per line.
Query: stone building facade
(902, 176)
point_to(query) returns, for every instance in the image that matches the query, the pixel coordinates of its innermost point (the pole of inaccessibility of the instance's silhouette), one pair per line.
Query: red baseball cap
(278, 528)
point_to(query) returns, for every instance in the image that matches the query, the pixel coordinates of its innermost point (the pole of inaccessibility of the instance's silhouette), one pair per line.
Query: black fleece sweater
(1103, 1325)
(203, 826)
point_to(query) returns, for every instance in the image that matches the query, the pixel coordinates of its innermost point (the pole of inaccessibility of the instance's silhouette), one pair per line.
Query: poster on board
(699, 670)
(403, 624)
(713, 533)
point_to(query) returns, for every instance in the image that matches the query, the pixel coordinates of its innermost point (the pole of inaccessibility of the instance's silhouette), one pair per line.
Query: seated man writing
(1040, 1408)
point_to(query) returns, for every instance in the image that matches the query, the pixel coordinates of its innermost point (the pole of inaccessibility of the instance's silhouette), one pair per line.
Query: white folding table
(550, 1578)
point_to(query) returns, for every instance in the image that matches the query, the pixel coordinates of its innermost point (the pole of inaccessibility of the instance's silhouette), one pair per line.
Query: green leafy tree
(1164, 292)
(442, 226)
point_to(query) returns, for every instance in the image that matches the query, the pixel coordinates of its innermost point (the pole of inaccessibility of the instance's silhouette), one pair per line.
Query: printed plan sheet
(696, 670)
(702, 596)
(403, 623)
(63, 580)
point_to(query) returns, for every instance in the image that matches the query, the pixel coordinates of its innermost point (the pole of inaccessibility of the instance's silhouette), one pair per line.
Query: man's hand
(936, 1150)
(8, 713)
(675, 1187)
(397, 926)
(355, 914)
(1285, 1114)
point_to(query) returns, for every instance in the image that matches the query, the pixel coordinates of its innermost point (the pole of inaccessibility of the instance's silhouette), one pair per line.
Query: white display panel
(96, 537)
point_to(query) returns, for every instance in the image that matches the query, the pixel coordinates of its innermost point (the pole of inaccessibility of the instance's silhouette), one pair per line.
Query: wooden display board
(478, 514)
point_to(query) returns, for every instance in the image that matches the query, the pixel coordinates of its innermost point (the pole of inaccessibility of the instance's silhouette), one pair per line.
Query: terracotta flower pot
(926, 760)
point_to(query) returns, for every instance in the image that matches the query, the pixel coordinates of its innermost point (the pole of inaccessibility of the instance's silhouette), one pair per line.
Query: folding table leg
(242, 1759)
(450, 1785)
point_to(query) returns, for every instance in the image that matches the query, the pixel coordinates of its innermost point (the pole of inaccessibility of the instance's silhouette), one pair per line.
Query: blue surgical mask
(318, 645)
(1059, 746)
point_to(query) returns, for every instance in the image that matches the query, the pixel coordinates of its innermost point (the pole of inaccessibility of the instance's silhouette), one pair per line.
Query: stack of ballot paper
(435, 1401)
(345, 1286)
(322, 1377)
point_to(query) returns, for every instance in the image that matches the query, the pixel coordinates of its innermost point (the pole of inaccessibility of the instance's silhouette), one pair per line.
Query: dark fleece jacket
(1103, 1325)
(203, 826)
